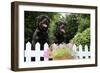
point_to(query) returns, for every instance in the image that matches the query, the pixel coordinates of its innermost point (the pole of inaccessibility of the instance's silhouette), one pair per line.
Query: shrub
(82, 38)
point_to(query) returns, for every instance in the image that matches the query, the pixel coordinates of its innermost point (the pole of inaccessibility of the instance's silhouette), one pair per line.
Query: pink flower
(46, 54)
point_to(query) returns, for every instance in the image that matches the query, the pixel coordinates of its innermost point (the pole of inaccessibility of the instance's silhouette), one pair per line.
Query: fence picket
(46, 47)
(28, 52)
(87, 53)
(78, 52)
(74, 51)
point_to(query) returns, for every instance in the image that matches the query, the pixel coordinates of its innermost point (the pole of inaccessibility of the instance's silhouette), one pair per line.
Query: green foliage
(84, 22)
(77, 26)
(82, 38)
(52, 26)
(71, 26)
(59, 52)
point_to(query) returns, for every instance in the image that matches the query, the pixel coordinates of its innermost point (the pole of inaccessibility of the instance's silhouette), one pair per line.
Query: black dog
(40, 35)
(60, 33)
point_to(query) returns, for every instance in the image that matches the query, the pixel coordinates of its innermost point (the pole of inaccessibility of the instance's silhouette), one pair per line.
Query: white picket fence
(37, 53)
(81, 52)
(78, 52)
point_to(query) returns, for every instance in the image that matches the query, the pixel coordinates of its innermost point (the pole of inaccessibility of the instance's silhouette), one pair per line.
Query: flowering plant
(61, 52)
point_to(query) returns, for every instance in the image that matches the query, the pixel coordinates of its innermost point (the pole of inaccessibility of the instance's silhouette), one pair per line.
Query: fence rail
(82, 52)
(79, 52)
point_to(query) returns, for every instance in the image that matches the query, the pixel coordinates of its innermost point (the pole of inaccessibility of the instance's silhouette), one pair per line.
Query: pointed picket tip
(37, 44)
(28, 45)
(46, 46)
(80, 48)
(86, 47)
(74, 47)
(61, 46)
(54, 46)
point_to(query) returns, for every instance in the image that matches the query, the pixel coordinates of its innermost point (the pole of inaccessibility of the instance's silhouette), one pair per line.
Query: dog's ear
(56, 26)
(57, 29)
(48, 19)
(37, 20)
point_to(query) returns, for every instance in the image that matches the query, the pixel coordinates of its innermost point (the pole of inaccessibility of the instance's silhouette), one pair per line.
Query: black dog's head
(60, 30)
(42, 21)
